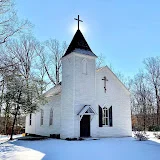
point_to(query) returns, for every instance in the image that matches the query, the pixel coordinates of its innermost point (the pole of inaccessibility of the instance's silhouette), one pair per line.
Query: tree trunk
(15, 117)
(157, 98)
(7, 111)
(14, 121)
(1, 97)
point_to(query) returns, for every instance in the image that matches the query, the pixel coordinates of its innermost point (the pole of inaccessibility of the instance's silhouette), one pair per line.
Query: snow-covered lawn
(4, 138)
(103, 149)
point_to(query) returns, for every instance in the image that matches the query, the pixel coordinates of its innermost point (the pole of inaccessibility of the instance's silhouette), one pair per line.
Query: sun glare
(74, 28)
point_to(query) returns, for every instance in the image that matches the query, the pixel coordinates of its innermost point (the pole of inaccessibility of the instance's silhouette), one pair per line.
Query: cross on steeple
(105, 80)
(78, 21)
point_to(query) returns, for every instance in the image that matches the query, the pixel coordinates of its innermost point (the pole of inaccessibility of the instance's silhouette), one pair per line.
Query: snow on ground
(4, 138)
(102, 149)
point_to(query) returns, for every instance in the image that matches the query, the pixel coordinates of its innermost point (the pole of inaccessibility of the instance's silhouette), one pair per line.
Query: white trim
(104, 105)
(83, 112)
(89, 114)
(84, 109)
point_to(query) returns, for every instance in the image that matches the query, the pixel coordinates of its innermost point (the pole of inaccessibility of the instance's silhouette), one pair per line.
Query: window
(42, 116)
(84, 65)
(105, 117)
(30, 119)
(51, 117)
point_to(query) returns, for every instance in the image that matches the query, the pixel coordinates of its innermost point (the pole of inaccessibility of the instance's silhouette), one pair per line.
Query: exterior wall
(67, 99)
(80, 89)
(30, 128)
(118, 97)
(46, 129)
(84, 89)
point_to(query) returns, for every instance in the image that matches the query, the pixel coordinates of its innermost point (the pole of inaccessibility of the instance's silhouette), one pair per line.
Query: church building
(89, 102)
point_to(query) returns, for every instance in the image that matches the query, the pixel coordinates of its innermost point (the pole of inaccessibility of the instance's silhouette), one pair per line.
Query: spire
(79, 45)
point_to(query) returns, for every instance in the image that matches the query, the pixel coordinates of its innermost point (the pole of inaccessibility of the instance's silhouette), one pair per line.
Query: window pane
(30, 119)
(103, 121)
(42, 113)
(105, 116)
(106, 113)
(51, 117)
(106, 121)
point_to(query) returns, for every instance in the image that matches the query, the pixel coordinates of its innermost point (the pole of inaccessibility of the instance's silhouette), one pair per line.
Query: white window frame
(42, 117)
(30, 119)
(51, 117)
(105, 117)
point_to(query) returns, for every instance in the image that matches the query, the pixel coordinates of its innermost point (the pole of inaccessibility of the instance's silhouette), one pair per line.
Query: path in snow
(103, 149)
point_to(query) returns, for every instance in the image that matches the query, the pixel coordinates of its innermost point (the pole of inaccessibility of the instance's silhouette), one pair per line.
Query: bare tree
(7, 65)
(51, 59)
(24, 52)
(21, 85)
(142, 99)
(9, 23)
(127, 81)
(152, 66)
(100, 61)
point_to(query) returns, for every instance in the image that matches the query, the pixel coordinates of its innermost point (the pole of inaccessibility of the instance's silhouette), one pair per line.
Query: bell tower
(78, 84)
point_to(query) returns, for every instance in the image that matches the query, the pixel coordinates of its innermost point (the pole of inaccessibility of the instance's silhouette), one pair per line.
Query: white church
(89, 102)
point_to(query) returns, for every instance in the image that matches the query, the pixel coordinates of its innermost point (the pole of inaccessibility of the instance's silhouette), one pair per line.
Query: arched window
(84, 66)
(51, 117)
(42, 116)
(105, 116)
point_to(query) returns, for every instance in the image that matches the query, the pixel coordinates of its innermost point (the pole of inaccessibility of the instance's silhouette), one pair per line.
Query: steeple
(79, 44)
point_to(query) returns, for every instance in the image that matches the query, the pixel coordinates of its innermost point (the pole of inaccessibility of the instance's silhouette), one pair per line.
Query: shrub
(157, 135)
(71, 139)
(57, 136)
(140, 136)
(81, 139)
(137, 128)
(154, 128)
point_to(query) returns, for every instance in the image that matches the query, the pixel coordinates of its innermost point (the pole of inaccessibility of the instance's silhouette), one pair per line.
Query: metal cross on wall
(78, 21)
(105, 80)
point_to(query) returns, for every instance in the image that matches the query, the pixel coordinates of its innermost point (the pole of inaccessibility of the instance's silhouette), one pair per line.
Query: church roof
(79, 45)
(53, 91)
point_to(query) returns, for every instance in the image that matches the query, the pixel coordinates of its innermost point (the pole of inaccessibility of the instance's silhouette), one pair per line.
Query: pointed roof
(87, 109)
(79, 45)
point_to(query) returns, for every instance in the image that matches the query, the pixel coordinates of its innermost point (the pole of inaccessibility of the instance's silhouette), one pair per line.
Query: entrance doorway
(85, 126)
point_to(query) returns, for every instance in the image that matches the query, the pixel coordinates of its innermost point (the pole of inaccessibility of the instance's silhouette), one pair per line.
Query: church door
(85, 126)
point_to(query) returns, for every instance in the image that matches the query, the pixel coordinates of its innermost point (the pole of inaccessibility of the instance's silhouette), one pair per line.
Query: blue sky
(124, 31)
